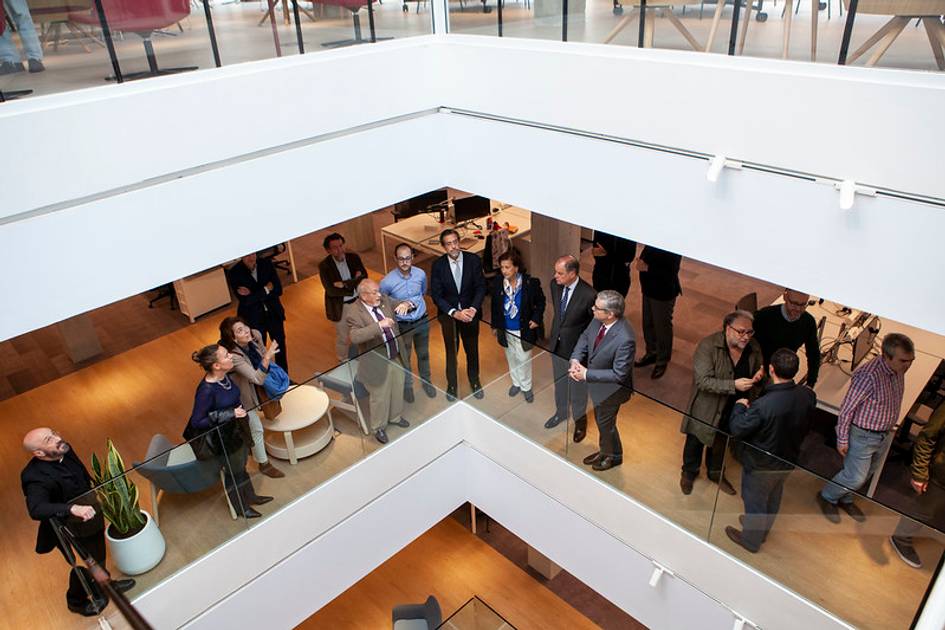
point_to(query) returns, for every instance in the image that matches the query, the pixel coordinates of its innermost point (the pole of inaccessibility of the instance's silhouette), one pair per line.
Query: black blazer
(443, 288)
(566, 330)
(661, 279)
(532, 310)
(50, 492)
(612, 271)
(335, 297)
(258, 307)
(776, 422)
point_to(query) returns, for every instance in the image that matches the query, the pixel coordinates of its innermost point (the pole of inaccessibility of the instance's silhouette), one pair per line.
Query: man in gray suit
(603, 358)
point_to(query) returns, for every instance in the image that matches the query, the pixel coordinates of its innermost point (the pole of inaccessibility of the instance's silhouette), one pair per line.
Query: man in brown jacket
(371, 325)
(340, 273)
(726, 365)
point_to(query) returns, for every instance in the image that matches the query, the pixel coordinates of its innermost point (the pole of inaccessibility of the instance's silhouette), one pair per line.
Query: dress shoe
(735, 536)
(514, 390)
(606, 463)
(429, 390)
(579, 434)
(658, 372)
(529, 396)
(269, 470)
(741, 521)
(402, 423)
(725, 486)
(553, 421)
(645, 360)
(381, 436)
(89, 609)
(450, 394)
(477, 390)
(592, 458)
(855, 513)
(408, 396)
(251, 513)
(123, 585)
(685, 483)
(829, 509)
(260, 499)
(35, 65)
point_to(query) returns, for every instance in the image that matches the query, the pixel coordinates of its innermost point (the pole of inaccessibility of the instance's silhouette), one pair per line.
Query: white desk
(422, 231)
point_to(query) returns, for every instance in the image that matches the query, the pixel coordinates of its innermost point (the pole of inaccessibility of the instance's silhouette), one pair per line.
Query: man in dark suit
(257, 286)
(571, 300)
(57, 485)
(659, 283)
(458, 287)
(340, 273)
(770, 431)
(603, 358)
(612, 258)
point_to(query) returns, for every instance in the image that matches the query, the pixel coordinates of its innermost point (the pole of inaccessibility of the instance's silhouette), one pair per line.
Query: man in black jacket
(458, 287)
(571, 301)
(612, 258)
(771, 431)
(659, 283)
(340, 272)
(57, 485)
(257, 286)
(789, 325)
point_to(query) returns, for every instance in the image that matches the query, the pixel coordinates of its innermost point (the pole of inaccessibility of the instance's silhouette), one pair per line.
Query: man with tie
(572, 300)
(458, 287)
(371, 325)
(603, 358)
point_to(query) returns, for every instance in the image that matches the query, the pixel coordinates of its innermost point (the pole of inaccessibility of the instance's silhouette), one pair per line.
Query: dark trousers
(570, 396)
(658, 328)
(76, 596)
(605, 414)
(453, 332)
(714, 456)
(276, 330)
(239, 487)
(415, 335)
(761, 492)
(930, 508)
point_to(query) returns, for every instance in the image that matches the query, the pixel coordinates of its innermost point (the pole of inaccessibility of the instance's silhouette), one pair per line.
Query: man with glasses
(789, 325)
(407, 284)
(727, 365)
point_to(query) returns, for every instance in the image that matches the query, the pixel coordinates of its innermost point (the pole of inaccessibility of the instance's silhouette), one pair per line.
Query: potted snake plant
(134, 538)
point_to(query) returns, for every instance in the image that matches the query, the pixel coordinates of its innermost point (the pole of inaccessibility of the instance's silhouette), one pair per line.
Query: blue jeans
(19, 13)
(860, 464)
(761, 492)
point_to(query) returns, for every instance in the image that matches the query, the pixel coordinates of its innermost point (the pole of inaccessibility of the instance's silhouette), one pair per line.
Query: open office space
(530, 339)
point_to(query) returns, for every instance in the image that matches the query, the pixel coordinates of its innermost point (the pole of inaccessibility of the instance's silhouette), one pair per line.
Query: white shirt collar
(572, 285)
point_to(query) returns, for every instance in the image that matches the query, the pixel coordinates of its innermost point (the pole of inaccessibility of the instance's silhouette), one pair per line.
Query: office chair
(164, 291)
(355, 7)
(271, 254)
(425, 616)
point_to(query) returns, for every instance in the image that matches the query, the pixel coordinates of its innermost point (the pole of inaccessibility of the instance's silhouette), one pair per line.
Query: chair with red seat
(355, 7)
(142, 17)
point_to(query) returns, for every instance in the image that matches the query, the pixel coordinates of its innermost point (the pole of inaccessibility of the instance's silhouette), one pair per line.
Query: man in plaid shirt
(868, 413)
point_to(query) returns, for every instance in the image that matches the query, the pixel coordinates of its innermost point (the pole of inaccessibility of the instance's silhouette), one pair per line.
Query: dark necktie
(564, 301)
(600, 336)
(388, 335)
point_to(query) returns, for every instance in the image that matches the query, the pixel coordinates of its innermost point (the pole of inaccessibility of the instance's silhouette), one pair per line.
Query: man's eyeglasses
(404, 258)
(743, 332)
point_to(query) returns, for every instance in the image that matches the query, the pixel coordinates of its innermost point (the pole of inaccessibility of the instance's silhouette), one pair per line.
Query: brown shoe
(725, 486)
(685, 483)
(270, 471)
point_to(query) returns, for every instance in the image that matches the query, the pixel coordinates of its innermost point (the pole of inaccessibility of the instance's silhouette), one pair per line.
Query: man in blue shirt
(408, 284)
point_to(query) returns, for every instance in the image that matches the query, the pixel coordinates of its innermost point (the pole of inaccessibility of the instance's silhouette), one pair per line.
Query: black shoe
(260, 499)
(429, 390)
(685, 483)
(645, 360)
(829, 509)
(658, 372)
(10, 67)
(89, 609)
(606, 463)
(514, 390)
(35, 65)
(553, 421)
(855, 513)
(579, 434)
(906, 552)
(529, 396)
(592, 459)
(477, 390)
(251, 513)
(736, 537)
(408, 396)
(402, 423)
(381, 436)
(450, 394)
(124, 585)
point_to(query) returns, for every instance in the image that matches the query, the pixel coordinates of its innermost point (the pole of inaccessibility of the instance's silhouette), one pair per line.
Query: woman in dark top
(518, 306)
(217, 406)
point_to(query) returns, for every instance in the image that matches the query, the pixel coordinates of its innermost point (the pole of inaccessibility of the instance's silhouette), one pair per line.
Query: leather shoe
(606, 463)
(735, 536)
(553, 421)
(645, 360)
(429, 390)
(529, 396)
(408, 396)
(592, 459)
(402, 423)
(579, 435)
(260, 499)
(829, 509)
(658, 372)
(271, 471)
(251, 513)
(514, 390)
(477, 390)
(685, 483)
(855, 512)
(450, 394)
(381, 436)
(725, 486)
(123, 585)
(89, 609)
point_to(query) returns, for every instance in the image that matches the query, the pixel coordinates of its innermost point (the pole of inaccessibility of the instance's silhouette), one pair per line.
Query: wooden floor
(453, 565)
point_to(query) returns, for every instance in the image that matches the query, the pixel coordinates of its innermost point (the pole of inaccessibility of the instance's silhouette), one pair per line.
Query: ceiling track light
(848, 191)
(716, 164)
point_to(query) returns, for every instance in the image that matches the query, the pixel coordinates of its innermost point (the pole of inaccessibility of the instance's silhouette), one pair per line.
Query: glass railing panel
(247, 31)
(776, 524)
(476, 615)
(530, 19)
(396, 19)
(473, 17)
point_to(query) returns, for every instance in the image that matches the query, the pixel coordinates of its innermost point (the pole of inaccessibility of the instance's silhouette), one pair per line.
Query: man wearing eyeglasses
(727, 365)
(407, 284)
(789, 325)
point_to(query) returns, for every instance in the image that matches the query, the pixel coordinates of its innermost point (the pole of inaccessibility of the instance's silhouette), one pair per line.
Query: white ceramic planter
(140, 553)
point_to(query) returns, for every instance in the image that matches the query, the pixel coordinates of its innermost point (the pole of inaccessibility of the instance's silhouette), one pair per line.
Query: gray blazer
(610, 367)
(373, 365)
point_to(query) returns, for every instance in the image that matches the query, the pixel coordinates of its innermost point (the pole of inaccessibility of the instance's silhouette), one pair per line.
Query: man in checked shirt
(868, 413)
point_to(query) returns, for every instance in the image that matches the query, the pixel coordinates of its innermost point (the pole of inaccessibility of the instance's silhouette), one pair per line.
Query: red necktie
(600, 336)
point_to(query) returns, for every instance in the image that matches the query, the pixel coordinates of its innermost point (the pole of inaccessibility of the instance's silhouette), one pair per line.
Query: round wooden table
(299, 430)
